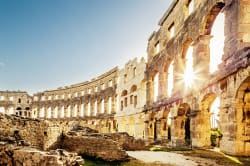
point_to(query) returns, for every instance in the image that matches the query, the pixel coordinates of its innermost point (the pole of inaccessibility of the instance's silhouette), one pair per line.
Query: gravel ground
(162, 157)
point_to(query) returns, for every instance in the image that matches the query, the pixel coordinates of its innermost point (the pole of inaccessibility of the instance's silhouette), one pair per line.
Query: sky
(46, 44)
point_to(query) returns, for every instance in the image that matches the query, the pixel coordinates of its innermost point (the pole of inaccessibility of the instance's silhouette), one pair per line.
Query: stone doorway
(208, 128)
(181, 132)
(242, 109)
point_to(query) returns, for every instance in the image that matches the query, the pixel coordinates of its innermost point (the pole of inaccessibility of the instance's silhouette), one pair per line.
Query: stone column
(45, 112)
(149, 90)
(158, 129)
(202, 56)
(162, 86)
(113, 110)
(106, 102)
(146, 130)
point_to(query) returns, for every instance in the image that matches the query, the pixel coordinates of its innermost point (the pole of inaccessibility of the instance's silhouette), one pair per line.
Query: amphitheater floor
(170, 158)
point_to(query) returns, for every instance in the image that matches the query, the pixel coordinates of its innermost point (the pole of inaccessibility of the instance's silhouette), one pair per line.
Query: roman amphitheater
(195, 80)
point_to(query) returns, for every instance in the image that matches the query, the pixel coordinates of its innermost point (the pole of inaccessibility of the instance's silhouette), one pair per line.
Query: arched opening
(49, 112)
(2, 110)
(75, 110)
(124, 93)
(182, 129)
(209, 130)
(217, 42)
(124, 99)
(216, 134)
(242, 112)
(188, 75)
(152, 126)
(69, 111)
(11, 110)
(42, 112)
(155, 86)
(166, 125)
(133, 88)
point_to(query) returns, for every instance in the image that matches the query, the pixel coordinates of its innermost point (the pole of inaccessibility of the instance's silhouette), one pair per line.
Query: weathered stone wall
(15, 102)
(95, 146)
(189, 107)
(17, 156)
(30, 130)
(127, 142)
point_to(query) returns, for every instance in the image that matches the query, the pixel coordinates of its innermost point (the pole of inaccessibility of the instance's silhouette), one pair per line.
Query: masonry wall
(189, 107)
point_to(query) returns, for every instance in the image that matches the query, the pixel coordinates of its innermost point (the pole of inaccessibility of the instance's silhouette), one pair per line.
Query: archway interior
(217, 42)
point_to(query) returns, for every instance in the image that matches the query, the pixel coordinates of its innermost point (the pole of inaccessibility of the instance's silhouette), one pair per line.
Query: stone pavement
(162, 157)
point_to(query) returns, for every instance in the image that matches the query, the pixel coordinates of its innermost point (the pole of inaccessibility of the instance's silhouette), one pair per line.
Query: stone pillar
(162, 86)
(146, 130)
(149, 91)
(158, 129)
(113, 110)
(85, 109)
(45, 112)
(106, 104)
(202, 56)
(59, 115)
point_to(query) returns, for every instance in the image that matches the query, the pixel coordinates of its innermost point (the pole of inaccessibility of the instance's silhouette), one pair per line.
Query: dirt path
(169, 158)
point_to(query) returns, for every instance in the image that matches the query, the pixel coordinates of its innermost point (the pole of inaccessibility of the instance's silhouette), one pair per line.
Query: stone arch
(182, 132)
(210, 18)
(152, 126)
(242, 113)
(133, 88)
(124, 93)
(203, 128)
(165, 125)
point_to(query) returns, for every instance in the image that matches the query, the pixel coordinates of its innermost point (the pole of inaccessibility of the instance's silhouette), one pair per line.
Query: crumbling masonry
(171, 96)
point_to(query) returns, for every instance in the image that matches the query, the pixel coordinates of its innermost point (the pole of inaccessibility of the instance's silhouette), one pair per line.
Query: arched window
(75, 111)
(217, 42)
(189, 73)
(214, 111)
(62, 112)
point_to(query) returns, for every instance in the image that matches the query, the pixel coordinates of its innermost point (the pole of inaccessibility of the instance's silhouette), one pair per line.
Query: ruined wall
(99, 147)
(89, 102)
(190, 106)
(15, 102)
(131, 91)
(11, 156)
(32, 131)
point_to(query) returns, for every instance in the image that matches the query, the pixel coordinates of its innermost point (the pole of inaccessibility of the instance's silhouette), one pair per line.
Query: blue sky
(46, 44)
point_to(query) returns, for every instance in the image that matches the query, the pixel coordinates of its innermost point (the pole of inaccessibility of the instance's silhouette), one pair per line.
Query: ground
(195, 157)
